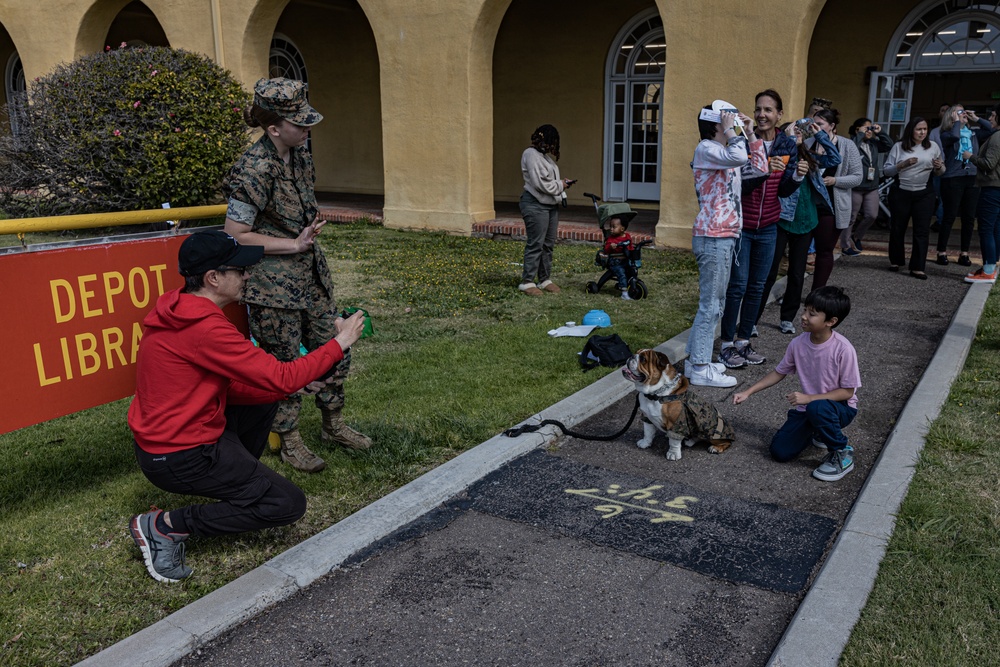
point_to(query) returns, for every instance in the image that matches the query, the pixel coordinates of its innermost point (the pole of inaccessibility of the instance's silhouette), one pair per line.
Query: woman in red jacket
(755, 249)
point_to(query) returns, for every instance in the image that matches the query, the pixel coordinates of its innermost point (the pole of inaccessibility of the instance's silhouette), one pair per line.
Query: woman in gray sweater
(543, 189)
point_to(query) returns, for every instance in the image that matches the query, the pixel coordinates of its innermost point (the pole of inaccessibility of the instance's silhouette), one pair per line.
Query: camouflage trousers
(280, 331)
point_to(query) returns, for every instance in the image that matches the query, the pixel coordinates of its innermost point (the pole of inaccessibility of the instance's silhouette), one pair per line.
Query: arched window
(286, 60)
(633, 109)
(14, 87)
(946, 35)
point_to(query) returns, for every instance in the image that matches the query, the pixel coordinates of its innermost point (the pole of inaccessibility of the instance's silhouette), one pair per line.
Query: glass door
(634, 96)
(889, 100)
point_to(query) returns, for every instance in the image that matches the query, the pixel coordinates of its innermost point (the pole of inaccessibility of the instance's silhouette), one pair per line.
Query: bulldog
(667, 406)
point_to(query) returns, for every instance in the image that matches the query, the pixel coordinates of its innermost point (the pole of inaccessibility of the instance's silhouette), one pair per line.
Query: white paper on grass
(579, 331)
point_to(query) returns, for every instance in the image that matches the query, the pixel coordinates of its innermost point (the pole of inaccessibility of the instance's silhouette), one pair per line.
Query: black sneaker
(163, 554)
(837, 463)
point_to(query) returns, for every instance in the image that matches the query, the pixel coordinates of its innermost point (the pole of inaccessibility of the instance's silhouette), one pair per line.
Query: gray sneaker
(837, 463)
(750, 355)
(163, 554)
(731, 357)
(787, 327)
(754, 333)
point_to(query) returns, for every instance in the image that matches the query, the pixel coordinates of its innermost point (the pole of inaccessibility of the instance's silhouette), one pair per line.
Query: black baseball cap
(206, 251)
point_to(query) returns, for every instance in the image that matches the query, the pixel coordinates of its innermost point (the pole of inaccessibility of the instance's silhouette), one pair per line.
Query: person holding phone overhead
(962, 131)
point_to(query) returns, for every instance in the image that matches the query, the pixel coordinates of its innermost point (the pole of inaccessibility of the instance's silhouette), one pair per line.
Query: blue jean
(751, 264)
(715, 258)
(821, 420)
(988, 213)
(541, 224)
(617, 266)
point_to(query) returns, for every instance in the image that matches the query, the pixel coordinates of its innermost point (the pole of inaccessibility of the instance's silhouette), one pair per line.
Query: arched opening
(13, 78)
(633, 105)
(331, 46)
(135, 25)
(562, 79)
(943, 52)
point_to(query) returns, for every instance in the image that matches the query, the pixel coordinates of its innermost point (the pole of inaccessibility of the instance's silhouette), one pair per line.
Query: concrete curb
(177, 635)
(823, 622)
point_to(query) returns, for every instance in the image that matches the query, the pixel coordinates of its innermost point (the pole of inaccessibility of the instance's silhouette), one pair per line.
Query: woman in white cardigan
(839, 180)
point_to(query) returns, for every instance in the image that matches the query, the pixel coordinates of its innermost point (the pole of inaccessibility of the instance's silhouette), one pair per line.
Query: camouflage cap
(287, 98)
(620, 210)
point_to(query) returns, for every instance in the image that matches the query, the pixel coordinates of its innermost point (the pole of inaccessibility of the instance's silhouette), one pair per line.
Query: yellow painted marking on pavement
(612, 507)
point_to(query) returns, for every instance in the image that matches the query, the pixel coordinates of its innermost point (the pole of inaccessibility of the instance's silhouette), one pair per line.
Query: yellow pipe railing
(59, 223)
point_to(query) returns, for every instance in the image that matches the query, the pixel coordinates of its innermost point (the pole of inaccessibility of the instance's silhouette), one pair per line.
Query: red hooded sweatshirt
(193, 361)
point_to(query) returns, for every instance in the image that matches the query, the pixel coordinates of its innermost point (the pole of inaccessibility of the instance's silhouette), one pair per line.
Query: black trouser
(798, 255)
(904, 204)
(959, 196)
(251, 496)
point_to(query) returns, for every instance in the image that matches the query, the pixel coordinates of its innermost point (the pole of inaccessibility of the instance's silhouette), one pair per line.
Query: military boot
(295, 453)
(335, 430)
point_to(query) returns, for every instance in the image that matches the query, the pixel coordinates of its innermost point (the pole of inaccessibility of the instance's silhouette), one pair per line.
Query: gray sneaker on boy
(162, 553)
(836, 465)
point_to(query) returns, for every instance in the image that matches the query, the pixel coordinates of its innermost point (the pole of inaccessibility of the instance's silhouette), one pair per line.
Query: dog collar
(663, 399)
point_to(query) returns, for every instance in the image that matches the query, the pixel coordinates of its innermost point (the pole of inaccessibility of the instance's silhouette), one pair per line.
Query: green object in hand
(369, 330)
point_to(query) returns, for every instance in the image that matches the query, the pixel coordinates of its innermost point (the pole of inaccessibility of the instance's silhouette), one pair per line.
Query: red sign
(73, 321)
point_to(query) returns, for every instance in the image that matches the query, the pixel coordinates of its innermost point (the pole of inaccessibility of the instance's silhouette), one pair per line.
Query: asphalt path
(599, 553)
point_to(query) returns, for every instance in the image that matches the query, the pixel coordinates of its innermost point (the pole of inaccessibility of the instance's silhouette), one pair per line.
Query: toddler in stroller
(621, 256)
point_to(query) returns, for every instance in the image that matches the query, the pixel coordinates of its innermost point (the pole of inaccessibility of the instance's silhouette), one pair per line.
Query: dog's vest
(698, 419)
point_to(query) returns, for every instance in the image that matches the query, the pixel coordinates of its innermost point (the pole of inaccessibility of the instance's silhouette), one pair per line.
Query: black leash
(531, 428)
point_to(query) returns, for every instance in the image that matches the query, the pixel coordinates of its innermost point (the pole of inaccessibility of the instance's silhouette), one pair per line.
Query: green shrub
(122, 130)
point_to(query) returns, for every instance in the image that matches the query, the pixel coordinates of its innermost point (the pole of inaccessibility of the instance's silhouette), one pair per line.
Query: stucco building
(430, 102)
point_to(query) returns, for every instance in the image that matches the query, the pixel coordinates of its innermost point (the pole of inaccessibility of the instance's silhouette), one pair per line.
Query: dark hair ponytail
(254, 116)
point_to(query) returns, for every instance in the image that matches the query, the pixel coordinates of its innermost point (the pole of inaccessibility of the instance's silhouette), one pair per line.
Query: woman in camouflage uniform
(272, 203)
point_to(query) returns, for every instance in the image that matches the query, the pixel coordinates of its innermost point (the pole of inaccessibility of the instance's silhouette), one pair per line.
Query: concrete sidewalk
(501, 557)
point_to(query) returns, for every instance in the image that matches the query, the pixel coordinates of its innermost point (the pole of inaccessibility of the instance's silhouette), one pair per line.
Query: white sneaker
(625, 296)
(710, 376)
(688, 366)
(787, 327)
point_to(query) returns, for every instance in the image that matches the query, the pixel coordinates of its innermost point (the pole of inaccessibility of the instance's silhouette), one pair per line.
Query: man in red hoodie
(204, 401)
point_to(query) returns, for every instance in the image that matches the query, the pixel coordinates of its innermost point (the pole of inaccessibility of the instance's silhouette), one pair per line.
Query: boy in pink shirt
(827, 366)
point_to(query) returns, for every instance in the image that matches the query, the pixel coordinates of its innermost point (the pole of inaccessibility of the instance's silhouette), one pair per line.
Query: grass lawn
(936, 600)
(459, 354)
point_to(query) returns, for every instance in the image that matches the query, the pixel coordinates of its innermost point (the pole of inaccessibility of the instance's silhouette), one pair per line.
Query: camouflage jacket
(285, 198)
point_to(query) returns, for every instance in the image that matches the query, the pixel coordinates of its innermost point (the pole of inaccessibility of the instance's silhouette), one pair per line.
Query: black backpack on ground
(604, 351)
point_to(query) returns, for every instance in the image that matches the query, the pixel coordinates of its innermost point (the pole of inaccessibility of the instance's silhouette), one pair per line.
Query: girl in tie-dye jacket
(718, 183)
(716, 166)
